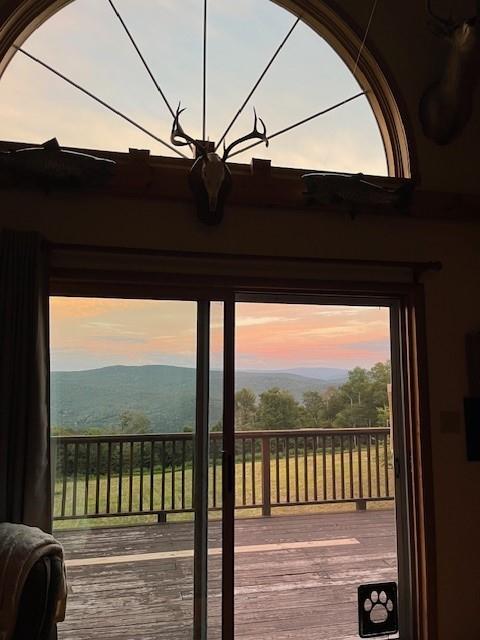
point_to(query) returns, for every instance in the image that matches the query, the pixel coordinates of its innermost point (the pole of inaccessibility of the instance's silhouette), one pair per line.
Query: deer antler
(178, 134)
(442, 26)
(255, 134)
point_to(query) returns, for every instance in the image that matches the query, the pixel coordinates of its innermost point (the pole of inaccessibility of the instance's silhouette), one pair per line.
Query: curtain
(25, 488)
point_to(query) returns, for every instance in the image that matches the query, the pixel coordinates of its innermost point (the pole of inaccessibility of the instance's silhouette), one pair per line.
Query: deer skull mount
(446, 106)
(210, 179)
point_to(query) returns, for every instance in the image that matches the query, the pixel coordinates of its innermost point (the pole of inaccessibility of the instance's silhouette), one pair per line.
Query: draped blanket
(20, 548)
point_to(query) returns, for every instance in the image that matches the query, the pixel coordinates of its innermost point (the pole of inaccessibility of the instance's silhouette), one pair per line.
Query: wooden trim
(179, 273)
(175, 286)
(423, 505)
(164, 180)
(418, 267)
(18, 20)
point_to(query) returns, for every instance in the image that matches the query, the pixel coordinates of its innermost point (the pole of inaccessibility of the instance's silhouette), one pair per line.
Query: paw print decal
(377, 609)
(378, 605)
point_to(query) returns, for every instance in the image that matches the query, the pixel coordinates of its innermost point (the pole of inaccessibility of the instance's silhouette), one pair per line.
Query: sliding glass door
(224, 467)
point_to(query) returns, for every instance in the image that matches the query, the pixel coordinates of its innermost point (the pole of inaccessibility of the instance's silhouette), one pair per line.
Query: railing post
(266, 497)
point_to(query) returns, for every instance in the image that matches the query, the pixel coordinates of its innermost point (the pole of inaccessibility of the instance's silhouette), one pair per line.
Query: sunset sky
(92, 333)
(86, 42)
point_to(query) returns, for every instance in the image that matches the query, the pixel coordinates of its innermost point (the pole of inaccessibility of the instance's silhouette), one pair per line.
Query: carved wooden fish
(49, 165)
(353, 189)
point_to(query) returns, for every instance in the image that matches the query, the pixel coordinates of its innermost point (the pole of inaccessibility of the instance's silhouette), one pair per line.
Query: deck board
(293, 592)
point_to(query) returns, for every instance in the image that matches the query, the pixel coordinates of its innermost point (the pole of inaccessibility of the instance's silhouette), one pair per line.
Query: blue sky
(85, 41)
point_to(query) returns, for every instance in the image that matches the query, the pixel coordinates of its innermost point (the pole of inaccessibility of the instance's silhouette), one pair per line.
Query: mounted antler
(446, 106)
(210, 179)
(178, 133)
(254, 135)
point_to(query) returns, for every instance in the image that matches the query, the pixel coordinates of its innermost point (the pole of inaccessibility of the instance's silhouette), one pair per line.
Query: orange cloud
(95, 332)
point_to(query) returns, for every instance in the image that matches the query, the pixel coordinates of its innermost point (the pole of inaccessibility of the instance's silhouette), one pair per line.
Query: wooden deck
(296, 577)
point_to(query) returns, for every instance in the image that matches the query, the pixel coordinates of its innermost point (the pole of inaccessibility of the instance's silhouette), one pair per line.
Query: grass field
(177, 490)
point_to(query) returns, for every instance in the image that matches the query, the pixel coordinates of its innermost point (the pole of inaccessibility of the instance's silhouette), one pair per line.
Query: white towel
(20, 548)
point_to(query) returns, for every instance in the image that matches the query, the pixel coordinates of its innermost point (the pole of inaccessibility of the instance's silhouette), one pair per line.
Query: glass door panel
(314, 481)
(123, 398)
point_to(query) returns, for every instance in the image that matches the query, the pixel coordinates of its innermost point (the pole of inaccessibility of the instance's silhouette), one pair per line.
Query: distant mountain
(260, 381)
(327, 374)
(165, 394)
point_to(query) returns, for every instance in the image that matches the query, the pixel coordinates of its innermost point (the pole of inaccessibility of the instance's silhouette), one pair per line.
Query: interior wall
(412, 57)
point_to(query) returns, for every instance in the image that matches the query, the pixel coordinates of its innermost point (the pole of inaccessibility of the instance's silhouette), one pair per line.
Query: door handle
(227, 465)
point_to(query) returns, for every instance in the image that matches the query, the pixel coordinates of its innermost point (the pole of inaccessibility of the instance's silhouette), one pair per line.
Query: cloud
(125, 339)
(380, 346)
(258, 321)
(337, 312)
(113, 329)
(351, 328)
(82, 308)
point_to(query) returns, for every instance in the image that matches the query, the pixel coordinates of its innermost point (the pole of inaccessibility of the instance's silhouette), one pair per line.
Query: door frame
(410, 298)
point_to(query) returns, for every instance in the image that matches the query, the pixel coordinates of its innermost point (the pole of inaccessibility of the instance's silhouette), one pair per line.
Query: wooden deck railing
(152, 474)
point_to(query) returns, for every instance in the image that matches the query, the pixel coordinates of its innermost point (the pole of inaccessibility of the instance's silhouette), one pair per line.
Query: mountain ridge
(164, 393)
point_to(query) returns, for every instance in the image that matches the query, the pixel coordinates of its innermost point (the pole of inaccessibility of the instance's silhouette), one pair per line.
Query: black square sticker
(377, 609)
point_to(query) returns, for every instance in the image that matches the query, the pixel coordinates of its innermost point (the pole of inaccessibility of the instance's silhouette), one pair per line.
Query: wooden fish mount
(48, 166)
(353, 191)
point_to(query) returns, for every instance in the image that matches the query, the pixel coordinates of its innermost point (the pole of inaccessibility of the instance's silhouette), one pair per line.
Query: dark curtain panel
(25, 494)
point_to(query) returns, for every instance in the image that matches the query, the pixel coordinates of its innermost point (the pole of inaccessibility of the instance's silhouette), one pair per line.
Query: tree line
(362, 401)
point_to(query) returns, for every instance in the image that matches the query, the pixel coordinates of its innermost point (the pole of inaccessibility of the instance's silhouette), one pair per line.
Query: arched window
(87, 43)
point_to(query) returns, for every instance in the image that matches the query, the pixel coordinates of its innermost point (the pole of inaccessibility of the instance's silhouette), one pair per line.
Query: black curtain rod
(417, 267)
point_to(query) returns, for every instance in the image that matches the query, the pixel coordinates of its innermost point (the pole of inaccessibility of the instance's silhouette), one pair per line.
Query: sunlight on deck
(296, 577)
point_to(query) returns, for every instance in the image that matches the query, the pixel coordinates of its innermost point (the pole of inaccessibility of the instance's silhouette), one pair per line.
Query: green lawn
(178, 490)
